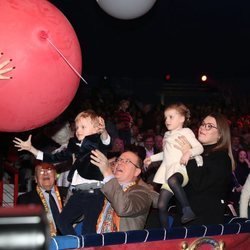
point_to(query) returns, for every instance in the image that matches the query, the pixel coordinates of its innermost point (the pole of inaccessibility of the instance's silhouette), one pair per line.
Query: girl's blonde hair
(183, 110)
(91, 114)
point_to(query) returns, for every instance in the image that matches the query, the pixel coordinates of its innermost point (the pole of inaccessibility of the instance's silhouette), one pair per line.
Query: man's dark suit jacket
(32, 197)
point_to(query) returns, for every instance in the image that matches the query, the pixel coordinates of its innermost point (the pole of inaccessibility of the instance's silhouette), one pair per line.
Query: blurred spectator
(123, 121)
(136, 136)
(246, 143)
(242, 167)
(239, 177)
(61, 135)
(45, 176)
(158, 143)
(148, 117)
(236, 146)
(117, 148)
(245, 199)
(149, 145)
(148, 172)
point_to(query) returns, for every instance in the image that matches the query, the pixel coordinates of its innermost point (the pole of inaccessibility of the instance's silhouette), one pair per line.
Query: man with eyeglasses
(46, 194)
(127, 202)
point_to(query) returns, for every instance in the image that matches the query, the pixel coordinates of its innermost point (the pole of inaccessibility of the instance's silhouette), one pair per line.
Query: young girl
(172, 171)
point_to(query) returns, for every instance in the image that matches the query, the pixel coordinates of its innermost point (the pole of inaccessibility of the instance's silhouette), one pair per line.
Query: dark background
(184, 38)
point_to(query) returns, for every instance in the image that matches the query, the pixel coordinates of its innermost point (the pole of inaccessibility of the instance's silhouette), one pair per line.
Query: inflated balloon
(46, 54)
(126, 9)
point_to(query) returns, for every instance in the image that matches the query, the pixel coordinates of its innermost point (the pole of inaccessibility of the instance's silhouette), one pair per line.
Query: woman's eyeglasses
(207, 126)
(125, 161)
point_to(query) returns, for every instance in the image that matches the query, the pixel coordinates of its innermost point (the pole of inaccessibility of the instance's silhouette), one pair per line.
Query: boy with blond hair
(86, 178)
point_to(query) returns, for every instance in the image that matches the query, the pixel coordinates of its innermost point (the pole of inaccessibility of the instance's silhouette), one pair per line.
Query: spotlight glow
(204, 78)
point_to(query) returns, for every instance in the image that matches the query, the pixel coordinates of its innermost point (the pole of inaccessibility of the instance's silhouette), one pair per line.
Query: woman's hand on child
(183, 144)
(185, 158)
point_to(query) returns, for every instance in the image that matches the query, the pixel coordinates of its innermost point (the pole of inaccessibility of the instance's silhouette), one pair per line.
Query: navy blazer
(82, 153)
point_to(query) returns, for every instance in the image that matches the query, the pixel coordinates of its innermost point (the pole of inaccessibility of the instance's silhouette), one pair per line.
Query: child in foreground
(172, 171)
(86, 178)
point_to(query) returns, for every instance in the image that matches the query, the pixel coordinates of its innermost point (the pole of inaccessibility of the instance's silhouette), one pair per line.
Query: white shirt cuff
(39, 155)
(108, 178)
(107, 141)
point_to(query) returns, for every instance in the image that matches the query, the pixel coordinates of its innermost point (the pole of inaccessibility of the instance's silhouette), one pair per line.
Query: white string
(222, 229)
(83, 242)
(126, 238)
(146, 238)
(165, 234)
(205, 231)
(71, 66)
(233, 219)
(185, 232)
(239, 228)
(102, 239)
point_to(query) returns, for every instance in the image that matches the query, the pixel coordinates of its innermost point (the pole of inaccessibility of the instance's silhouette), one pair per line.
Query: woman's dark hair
(224, 142)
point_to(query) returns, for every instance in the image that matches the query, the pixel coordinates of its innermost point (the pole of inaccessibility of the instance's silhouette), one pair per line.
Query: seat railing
(12, 191)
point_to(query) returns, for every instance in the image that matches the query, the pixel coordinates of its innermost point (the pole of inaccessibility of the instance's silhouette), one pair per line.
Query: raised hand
(102, 129)
(101, 126)
(23, 145)
(101, 161)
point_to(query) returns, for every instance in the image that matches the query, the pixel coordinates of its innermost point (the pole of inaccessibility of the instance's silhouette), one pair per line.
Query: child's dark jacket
(82, 154)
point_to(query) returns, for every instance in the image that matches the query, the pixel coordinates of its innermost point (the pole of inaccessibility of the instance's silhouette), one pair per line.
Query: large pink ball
(43, 83)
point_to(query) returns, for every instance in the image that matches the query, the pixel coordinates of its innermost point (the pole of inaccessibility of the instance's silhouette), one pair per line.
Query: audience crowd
(130, 123)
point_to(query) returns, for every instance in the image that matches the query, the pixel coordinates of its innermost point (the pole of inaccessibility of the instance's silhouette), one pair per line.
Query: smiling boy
(85, 178)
